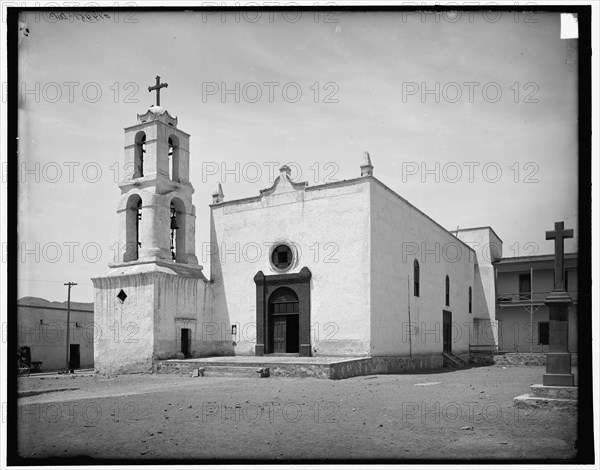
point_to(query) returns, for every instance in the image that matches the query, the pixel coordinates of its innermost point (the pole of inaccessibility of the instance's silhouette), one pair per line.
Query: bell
(174, 225)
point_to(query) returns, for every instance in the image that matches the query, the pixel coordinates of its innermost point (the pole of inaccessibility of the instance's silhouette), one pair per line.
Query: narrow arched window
(174, 158)
(470, 300)
(139, 154)
(416, 277)
(447, 291)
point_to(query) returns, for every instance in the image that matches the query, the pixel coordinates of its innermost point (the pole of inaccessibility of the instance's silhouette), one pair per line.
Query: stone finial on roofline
(285, 172)
(366, 169)
(217, 194)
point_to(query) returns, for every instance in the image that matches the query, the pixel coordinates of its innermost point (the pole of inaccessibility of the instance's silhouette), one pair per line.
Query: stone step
(237, 369)
(541, 391)
(232, 371)
(331, 368)
(174, 367)
(529, 402)
(454, 362)
(527, 359)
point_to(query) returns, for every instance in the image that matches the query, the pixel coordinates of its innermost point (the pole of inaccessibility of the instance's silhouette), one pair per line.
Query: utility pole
(70, 284)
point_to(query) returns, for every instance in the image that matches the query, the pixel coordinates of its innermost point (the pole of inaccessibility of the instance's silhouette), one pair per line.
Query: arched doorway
(283, 289)
(284, 327)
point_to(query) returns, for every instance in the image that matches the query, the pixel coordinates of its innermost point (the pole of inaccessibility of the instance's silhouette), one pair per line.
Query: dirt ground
(463, 414)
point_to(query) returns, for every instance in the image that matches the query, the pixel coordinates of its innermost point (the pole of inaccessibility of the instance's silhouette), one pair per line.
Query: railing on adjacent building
(490, 349)
(524, 297)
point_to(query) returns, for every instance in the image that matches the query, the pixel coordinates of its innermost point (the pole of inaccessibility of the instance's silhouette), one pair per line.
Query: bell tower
(156, 214)
(155, 289)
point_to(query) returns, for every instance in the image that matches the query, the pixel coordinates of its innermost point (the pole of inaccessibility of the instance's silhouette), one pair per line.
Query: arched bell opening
(139, 154)
(133, 216)
(178, 230)
(174, 158)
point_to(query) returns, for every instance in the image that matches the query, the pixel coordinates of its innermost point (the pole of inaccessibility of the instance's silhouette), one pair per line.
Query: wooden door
(74, 360)
(447, 331)
(185, 342)
(279, 335)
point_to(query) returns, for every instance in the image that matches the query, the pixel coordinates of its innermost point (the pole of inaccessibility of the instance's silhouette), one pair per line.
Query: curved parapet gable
(283, 184)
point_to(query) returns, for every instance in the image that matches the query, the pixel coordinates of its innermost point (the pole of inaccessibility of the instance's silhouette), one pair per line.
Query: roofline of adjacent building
(524, 259)
(63, 309)
(479, 228)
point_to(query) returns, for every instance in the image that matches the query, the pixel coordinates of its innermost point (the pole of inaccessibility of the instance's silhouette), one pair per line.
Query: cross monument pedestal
(557, 390)
(558, 359)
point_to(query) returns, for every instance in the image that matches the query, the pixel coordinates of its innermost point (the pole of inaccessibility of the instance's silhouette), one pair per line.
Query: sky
(472, 118)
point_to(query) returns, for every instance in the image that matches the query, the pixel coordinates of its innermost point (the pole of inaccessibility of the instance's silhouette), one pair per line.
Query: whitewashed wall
(124, 331)
(488, 248)
(160, 301)
(330, 227)
(401, 233)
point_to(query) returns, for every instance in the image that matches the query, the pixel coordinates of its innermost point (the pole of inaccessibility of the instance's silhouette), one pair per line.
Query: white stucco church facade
(347, 269)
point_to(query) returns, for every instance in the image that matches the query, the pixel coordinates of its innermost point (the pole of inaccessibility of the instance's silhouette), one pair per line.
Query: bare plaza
(469, 413)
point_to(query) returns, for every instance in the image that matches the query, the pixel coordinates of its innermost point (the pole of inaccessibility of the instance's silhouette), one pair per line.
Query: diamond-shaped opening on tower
(122, 296)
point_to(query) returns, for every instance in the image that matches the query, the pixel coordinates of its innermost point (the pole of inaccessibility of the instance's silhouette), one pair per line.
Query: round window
(282, 257)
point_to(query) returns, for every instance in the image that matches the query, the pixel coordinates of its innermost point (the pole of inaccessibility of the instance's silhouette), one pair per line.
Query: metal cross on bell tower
(157, 87)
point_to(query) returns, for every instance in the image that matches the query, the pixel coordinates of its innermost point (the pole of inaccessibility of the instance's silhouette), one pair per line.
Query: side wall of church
(329, 227)
(400, 234)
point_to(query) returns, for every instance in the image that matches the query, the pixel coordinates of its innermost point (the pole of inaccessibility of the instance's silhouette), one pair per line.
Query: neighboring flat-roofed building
(522, 284)
(42, 331)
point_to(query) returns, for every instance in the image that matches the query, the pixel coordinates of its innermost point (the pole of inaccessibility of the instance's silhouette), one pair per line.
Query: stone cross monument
(558, 359)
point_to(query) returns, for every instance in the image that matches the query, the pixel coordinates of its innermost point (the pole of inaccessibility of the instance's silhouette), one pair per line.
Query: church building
(344, 269)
